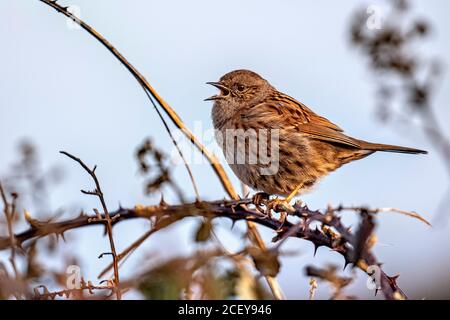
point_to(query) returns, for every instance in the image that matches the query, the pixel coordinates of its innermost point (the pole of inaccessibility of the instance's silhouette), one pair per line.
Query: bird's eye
(240, 87)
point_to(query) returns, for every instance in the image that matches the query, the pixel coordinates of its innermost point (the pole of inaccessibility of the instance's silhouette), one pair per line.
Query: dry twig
(105, 218)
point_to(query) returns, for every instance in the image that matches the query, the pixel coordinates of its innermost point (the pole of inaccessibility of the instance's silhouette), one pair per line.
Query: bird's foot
(279, 205)
(260, 198)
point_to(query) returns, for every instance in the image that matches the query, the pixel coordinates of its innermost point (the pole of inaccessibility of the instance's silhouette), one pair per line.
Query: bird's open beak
(224, 91)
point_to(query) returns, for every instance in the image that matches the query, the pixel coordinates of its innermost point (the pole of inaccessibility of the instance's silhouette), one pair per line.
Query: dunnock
(309, 146)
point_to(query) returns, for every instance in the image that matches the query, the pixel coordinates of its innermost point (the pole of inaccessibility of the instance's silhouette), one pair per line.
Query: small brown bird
(309, 146)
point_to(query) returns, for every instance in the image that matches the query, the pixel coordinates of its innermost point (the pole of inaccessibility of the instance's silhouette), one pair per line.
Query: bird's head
(240, 88)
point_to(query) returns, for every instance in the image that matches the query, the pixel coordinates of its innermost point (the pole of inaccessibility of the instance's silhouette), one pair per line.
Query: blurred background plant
(405, 77)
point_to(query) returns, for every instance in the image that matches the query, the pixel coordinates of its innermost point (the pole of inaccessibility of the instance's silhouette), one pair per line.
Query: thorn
(346, 262)
(316, 246)
(32, 222)
(396, 277)
(97, 214)
(27, 216)
(162, 203)
(393, 279)
(276, 238)
(20, 247)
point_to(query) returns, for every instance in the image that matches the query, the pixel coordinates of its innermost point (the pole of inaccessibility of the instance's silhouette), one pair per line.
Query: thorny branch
(105, 218)
(333, 234)
(215, 164)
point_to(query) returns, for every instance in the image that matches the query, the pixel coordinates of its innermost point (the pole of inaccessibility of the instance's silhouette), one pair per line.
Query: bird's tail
(389, 148)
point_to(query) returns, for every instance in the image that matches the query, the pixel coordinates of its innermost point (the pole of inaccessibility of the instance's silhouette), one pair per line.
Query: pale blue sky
(62, 89)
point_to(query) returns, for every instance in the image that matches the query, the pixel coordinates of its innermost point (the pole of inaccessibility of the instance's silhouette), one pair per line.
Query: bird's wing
(326, 134)
(283, 111)
(291, 105)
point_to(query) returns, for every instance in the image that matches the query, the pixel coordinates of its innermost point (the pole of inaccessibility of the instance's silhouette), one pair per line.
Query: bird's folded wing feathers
(326, 134)
(282, 109)
(297, 108)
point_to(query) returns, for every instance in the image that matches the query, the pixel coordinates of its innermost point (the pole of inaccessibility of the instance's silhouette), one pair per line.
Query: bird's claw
(277, 205)
(260, 198)
(280, 205)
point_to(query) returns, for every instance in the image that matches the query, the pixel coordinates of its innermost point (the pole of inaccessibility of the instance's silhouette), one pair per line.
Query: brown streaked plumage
(310, 146)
